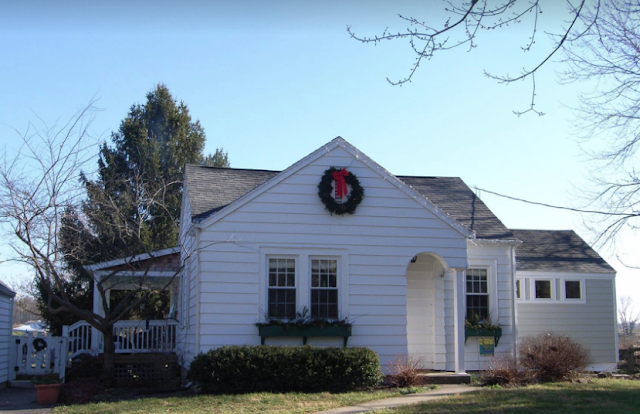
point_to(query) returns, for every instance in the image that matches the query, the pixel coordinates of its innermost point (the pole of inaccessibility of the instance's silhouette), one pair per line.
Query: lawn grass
(599, 397)
(259, 403)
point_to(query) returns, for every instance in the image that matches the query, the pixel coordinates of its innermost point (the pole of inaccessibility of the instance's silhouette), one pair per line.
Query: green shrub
(243, 369)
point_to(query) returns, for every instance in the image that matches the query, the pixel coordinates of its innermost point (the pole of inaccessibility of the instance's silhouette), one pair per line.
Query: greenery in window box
(303, 319)
(480, 324)
(477, 327)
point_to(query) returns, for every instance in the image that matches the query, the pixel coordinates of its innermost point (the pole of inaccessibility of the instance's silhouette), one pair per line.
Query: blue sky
(271, 81)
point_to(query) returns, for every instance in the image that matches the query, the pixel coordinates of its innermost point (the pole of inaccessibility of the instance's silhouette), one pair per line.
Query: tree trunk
(109, 358)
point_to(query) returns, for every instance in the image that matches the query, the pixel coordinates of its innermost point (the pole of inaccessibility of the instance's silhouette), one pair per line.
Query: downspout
(198, 288)
(615, 318)
(514, 313)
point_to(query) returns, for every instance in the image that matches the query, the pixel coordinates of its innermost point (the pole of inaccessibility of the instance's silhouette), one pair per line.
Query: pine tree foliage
(149, 152)
(218, 159)
(132, 203)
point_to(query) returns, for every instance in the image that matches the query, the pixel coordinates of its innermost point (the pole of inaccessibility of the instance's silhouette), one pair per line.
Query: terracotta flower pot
(47, 393)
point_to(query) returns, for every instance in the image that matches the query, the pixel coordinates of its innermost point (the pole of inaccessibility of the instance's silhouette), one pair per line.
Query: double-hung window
(302, 283)
(282, 288)
(324, 288)
(477, 295)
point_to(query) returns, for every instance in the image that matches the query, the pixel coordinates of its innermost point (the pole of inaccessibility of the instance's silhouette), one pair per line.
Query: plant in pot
(47, 387)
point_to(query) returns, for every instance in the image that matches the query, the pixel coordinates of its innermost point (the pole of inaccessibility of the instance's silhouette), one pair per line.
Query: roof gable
(6, 291)
(165, 259)
(218, 209)
(557, 251)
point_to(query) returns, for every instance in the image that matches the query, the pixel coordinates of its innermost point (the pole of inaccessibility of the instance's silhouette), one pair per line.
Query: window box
(496, 333)
(305, 332)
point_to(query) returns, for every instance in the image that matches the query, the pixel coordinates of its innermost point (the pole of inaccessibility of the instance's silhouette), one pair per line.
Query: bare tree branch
(471, 18)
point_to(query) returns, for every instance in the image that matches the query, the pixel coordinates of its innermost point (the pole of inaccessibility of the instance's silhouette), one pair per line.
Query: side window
(572, 289)
(477, 295)
(543, 289)
(282, 288)
(324, 288)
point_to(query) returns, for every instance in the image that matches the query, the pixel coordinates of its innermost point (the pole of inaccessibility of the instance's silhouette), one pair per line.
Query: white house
(417, 257)
(6, 323)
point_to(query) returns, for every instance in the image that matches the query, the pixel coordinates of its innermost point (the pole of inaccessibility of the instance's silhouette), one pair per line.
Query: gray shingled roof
(211, 189)
(557, 250)
(453, 196)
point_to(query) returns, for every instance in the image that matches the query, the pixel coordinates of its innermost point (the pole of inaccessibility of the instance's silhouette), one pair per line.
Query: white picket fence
(130, 337)
(24, 359)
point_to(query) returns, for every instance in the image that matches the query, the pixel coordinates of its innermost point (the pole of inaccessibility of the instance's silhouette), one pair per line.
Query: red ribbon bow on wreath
(341, 185)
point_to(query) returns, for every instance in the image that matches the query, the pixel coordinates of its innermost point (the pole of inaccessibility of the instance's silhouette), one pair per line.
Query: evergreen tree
(150, 150)
(218, 159)
(143, 166)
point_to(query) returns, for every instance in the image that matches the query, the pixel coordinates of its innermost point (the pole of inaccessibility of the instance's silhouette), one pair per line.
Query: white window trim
(303, 258)
(527, 287)
(552, 282)
(523, 289)
(563, 287)
(491, 265)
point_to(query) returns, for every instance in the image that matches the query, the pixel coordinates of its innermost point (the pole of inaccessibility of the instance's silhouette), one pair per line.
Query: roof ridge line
(232, 168)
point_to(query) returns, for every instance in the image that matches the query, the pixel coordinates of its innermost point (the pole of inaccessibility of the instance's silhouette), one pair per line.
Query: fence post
(14, 350)
(62, 353)
(631, 360)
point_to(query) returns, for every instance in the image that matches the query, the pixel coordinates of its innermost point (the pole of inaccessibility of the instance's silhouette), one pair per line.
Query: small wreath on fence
(39, 344)
(342, 177)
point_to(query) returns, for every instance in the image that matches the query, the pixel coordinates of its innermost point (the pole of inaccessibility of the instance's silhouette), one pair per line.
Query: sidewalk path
(443, 391)
(21, 401)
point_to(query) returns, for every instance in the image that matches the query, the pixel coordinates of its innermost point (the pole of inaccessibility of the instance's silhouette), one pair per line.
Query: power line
(556, 207)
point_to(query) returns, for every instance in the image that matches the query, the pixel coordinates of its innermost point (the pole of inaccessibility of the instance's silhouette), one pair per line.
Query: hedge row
(242, 369)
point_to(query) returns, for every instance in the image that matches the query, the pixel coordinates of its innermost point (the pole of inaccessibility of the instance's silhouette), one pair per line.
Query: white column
(459, 310)
(96, 336)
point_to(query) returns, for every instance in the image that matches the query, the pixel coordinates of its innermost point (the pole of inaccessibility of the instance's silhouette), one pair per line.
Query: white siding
(593, 323)
(387, 230)
(497, 259)
(6, 324)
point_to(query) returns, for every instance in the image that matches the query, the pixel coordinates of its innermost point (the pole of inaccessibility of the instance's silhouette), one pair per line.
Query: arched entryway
(425, 310)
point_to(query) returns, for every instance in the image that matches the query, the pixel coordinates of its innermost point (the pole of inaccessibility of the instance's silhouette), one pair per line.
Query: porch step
(445, 378)
(21, 384)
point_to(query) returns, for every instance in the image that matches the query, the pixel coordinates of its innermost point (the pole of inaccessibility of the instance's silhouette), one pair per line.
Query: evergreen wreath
(39, 344)
(325, 190)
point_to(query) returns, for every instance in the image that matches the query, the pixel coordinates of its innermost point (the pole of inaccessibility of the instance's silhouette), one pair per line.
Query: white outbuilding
(6, 322)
